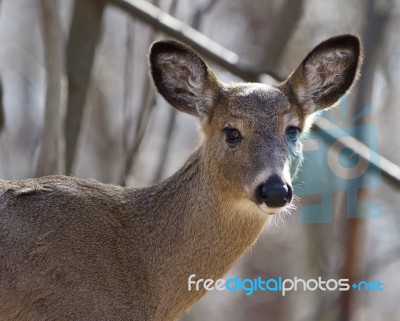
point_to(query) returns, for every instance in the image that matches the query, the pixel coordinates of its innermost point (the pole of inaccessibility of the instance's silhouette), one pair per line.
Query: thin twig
(128, 85)
(147, 105)
(197, 19)
(171, 26)
(143, 119)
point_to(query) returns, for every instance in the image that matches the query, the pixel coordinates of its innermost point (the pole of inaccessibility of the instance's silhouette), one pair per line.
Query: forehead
(257, 100)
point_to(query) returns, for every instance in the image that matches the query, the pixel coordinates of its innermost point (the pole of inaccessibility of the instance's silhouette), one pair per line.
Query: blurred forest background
(76, 99)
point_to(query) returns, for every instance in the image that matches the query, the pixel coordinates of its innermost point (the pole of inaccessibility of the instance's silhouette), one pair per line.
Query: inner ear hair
(182, 77)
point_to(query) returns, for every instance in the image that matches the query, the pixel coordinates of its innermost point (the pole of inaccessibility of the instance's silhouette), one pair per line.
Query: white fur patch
(291, 120)
(249, 88)
(308, 121)
(246, 206)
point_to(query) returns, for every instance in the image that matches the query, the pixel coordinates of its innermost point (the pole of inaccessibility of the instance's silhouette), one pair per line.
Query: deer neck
(195, 229)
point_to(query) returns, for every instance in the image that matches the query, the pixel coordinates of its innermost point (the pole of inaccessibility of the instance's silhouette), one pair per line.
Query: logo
(332, 170)
(279, 284)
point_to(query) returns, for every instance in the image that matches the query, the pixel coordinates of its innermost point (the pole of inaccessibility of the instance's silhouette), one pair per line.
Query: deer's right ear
(183, 78)
(326, 74)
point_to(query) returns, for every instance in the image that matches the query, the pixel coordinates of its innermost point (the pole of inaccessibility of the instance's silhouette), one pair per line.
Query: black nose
(274, 192)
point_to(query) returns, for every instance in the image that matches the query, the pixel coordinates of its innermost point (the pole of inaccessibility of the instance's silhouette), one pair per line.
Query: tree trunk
(50, 159)
(84, 36)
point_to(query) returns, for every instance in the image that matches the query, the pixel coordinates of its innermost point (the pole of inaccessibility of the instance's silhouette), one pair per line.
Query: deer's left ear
(183, 78)
(326, 74)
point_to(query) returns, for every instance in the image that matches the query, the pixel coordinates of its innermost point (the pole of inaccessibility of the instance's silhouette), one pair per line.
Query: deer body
(74, 249)
(104, 241)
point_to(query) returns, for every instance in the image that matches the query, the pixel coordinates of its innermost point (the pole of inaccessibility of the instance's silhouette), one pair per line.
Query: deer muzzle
(274, 192)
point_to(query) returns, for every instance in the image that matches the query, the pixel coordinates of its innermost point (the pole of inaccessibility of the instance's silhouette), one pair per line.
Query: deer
(78, 249)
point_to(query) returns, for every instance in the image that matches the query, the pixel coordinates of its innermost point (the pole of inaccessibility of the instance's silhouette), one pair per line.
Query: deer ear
(326, 74)
(183, 78)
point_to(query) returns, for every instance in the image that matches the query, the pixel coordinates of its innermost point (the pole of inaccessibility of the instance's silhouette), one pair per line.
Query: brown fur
(74, 249)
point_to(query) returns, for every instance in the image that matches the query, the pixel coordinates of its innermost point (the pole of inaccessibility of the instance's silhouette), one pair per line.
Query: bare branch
(172, 116)
(171, 26)
(374, 28)
(147, 104)
(128, 85)
(143, 119)
(227, 59)
(198, 15)
(378, 163)
(51, 152)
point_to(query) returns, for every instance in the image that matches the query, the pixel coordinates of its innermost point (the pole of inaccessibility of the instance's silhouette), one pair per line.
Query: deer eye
(293, 133)
(232, 135)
